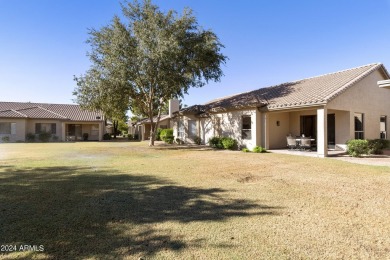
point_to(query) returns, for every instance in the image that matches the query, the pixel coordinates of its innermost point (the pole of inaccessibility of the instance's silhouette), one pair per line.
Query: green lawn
(125, 201)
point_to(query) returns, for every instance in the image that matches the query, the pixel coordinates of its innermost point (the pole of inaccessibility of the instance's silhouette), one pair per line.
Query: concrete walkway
(377, 160)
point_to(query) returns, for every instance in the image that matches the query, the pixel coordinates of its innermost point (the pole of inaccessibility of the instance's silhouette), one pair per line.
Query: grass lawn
(125, 201)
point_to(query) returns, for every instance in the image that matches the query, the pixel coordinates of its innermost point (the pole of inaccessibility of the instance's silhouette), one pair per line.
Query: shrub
(55, 138)
(30, 137)
(107, 136)
(259, 149)
(357, 147)
(197, 140)
(5, 139)
(135, 137)
(229, 143)
(245, 150)
(216, 142)
(129, 137)
(158, 134)
(376, 146)
(167, 135)
(85, 136)
(179, 141)
(44, 136)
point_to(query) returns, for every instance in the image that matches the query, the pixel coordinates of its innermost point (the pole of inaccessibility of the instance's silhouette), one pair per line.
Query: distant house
(142, 127)
(64, 122)
(331, 108)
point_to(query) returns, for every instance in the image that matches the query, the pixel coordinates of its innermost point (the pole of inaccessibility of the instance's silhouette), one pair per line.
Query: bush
(5, 139)
(85, 136)
(357, 147)
(197, 140)
(107, 136)
(167, 135)
(229, 143)
(179, 141)
(158, 134)
(245, 150)
(55, 138)
(130, 137)
(135, 137)
(259, 149)
(44, 136)
(30, 137)
(216, 142)
(376, 146)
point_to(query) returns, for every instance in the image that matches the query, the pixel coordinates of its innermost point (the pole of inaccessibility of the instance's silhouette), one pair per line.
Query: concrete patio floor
(331, 153)
(377, 160)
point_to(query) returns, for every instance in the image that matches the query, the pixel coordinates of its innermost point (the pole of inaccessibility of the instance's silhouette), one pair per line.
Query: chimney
(174, 106)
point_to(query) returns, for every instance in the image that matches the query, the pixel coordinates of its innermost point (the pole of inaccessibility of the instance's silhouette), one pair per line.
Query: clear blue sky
(42, 42)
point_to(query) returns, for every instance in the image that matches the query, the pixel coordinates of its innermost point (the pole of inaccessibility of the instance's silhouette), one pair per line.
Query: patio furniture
(292, 143)
(305, 143)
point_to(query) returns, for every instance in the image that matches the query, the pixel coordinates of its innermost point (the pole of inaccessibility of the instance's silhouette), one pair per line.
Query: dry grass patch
(126, 200)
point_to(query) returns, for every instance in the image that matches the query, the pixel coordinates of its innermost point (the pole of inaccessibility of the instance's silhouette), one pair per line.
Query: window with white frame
(180, 130)
(7, 128)
(45, 127)
(192, 133)
(218, 127)
(246, 132)
(359, 126)
(383, 127)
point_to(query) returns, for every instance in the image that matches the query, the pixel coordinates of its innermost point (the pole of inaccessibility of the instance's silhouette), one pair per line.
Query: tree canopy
(150, 57)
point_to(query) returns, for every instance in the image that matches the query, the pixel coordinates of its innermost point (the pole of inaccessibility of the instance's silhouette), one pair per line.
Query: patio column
(322, 132)
(265, 129)
(63, 131)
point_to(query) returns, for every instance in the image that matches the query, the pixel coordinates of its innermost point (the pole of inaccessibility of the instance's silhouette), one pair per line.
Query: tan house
(64, 122)
(331, 109)
(142, 127)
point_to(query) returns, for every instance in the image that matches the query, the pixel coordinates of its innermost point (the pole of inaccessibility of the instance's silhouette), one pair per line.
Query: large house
(63, 122)
(331, 109)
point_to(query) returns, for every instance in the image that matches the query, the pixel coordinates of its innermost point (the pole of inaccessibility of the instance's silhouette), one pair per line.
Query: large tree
(147, 59)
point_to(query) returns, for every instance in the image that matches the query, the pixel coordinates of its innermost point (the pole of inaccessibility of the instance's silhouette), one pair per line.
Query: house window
(383, 127)
(359, 126)
(246, 127)
(180, 130)
(218, 128)
(192, 129)
(8, 128)
(45, 127)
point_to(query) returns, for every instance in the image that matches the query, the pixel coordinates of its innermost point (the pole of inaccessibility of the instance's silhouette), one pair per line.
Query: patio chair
(292, 143)
(305, 143)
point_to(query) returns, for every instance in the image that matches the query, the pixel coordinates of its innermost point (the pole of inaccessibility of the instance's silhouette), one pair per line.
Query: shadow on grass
(80, 212)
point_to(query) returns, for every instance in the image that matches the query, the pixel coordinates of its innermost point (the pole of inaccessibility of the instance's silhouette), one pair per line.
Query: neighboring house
(331, 108)
(64, 122)
(142, 127)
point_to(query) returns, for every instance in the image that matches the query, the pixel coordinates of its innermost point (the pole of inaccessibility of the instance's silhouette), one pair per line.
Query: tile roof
(48, 111)
(302, 93)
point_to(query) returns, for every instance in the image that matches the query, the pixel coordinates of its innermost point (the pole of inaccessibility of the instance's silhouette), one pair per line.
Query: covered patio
(328, 129)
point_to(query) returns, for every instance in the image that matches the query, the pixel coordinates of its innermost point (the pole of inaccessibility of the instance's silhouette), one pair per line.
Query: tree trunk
(115, 124)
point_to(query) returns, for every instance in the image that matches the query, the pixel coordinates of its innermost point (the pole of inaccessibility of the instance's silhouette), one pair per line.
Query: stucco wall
(278, 133)
(231, 124)
(30, 127)
(20, 134)
(365, 97)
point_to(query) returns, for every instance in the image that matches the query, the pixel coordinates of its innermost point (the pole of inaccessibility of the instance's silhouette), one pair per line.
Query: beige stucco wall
(30, 126)
(277, 136)
(20, 134)
(365, 97)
